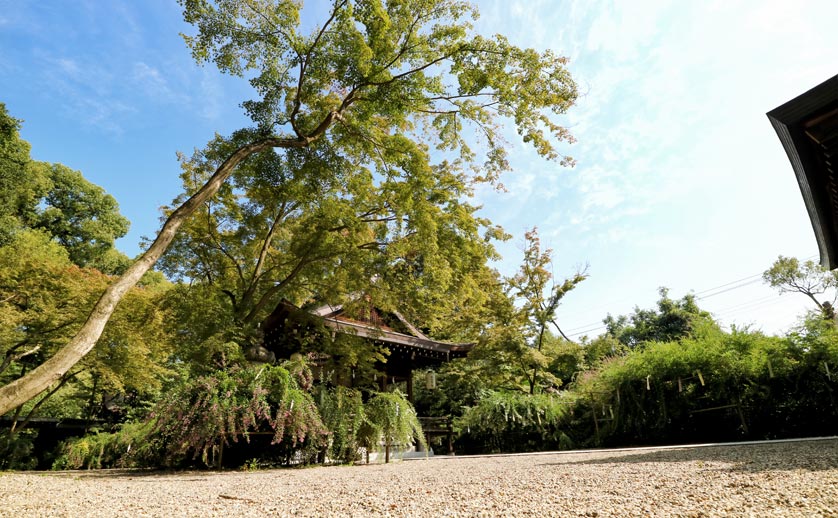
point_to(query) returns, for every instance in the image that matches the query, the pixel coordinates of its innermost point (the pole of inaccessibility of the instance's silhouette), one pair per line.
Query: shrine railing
(439, 427)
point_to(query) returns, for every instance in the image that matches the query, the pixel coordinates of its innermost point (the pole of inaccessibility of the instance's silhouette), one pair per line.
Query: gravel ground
(794, 479)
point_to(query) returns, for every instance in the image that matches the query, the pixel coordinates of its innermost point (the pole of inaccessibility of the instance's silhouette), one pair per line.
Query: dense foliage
(222, 408)
(356, 180)
(671, 320)
(702, 383)
(342, 410)
(204, 415)
(390, 419)
(716, 386)
(517, 422)
(130, 446)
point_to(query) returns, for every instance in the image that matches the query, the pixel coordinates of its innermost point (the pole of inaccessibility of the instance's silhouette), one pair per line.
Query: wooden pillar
(221, 454)
(741, 415)
(450, 427)
(410, 384)
(596, 422)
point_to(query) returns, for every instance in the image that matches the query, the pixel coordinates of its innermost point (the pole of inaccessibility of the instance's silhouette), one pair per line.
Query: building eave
(811, 159)
(389, 336)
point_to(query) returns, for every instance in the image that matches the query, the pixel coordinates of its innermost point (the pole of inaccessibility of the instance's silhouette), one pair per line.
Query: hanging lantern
(430, 380)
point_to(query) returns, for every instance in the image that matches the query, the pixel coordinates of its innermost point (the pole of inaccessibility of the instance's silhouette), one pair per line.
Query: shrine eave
(399, 339)
(808, 130)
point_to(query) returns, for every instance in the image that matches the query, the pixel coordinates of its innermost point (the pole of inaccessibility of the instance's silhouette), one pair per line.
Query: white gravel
(795, 479)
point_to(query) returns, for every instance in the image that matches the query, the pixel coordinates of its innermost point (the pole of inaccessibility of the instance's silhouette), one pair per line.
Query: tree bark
(36, 381)
(15, 428)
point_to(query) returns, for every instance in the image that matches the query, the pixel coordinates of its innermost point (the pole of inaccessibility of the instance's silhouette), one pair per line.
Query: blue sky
(680, 182)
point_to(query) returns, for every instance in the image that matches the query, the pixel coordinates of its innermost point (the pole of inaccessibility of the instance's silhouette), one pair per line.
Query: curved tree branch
(36, 381)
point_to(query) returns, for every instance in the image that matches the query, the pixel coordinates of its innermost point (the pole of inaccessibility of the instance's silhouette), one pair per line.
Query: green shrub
(714, 386)
(342, 411)
(515, 422)
(227, 405)
(16, 451)
(194, 420)
(389, 418)
(131, 446)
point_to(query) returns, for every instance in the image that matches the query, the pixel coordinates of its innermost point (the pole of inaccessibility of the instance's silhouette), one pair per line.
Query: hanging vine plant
(342, 412)
(506, 422)
(389, 420)
(227, 405)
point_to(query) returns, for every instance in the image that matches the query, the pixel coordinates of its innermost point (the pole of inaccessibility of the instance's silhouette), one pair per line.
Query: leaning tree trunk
(36, 381)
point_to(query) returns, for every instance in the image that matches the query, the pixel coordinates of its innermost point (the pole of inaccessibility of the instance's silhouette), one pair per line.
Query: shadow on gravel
(193, 474)
(754, 458)
(132, 474)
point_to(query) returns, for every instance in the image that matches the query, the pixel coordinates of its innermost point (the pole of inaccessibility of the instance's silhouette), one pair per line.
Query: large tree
(76, 213)
(378, 83)
(311, 224)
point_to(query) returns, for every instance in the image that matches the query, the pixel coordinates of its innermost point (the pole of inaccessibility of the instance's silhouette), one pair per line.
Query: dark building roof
(808, 129)
(388, 328)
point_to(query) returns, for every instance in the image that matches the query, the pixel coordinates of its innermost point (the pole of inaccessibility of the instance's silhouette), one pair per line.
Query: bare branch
(10, 357)
(14, 428)
(304, 62)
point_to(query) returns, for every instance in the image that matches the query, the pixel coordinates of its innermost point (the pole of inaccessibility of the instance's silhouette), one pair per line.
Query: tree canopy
(672, 320)
(790, 275)
(79, 215)
(376, 84)
(57, 233)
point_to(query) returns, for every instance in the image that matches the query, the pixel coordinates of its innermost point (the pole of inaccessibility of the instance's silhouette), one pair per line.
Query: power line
(586, 331)
(733, 310)
(700, 295)
(731, 288)
(698, 298)
(748, 278)
(736, 307)
(751, 307)
(583, 326)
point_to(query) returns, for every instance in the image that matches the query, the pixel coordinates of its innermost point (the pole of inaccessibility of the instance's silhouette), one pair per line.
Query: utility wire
(755, 305)
(585, 326)
(749, 278)
(700, 295)
(731, 288)
(586, 331)
(738, 306)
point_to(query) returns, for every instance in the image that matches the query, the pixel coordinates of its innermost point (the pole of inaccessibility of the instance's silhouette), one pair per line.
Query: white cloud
(86, 92)
(68, 67)
(104, 114)
(211, 96)
(679, 174)
(154, 85)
